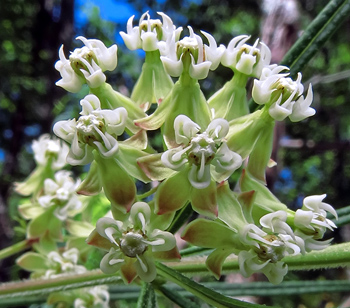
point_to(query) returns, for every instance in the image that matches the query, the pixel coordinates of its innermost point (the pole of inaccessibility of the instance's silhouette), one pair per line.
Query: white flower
(246, 59)
(190, 52)
(315, 204)
(269, 246)
(250, 263)
(282, 95)
(96, 297)
(206, 154)
(301, 108)
(312, 219)
(310, 243)
(65, 263)
(269, 243)
(149, 32)
(47, 149)
(70, 81)
(86, 64)
(134, 239)
(61, 193)
(96, 128)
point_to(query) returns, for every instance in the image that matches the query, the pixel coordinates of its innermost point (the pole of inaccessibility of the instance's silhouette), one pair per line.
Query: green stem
(18, 247)
(39, 286)
(147, 193)
(331, 257)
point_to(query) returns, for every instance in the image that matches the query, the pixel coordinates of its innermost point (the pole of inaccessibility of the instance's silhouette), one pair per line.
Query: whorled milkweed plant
(133, 199)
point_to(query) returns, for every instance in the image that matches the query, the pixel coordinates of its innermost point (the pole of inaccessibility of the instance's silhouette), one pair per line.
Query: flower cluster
(86, 65)
(208, 143)
(133, 244)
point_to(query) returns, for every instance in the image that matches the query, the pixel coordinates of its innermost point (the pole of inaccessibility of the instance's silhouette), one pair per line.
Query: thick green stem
(331, 257)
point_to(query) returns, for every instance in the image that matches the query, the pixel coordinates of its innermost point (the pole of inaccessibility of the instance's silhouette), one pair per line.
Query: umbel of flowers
(206, 143)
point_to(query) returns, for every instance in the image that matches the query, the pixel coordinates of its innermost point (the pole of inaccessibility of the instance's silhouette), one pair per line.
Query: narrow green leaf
(180, 218)
(194, 250)
(316, 34)
(208, 295)
(177, 298)
(147, 297)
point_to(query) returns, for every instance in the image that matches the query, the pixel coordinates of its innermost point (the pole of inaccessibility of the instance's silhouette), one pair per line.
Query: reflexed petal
(210, 234)
(153, 167)
(169, 255)
(245, 131)
(30, 211)
(204, 200)
(79, 228)
(216, 259)
(92, 183)
(157, 118)
(249, 263)
(33, 183)
(95, 239)
(40, 224)
(128, 157)
(230, 210)
(173, 193)
(265, 198)
(301, 108)
(161, 222)
(280, 112)
(32, 261)
(128, 270)
(315, 204)
(118, 186)
(261, 92)
(275, 272)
